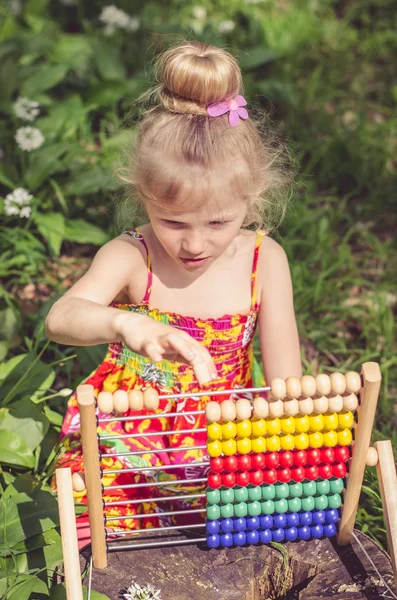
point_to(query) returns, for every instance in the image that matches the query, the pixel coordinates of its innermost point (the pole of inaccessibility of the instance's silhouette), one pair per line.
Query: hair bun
(192, 75)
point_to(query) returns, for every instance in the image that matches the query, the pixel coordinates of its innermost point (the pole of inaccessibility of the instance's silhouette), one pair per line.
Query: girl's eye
(173, 223)
(218, 223)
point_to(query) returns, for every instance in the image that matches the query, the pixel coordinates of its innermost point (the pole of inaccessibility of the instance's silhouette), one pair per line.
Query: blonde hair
(181, 154)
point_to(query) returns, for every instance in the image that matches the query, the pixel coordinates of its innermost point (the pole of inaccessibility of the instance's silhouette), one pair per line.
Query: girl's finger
(152, 351)
(204, 369)
(181, 346)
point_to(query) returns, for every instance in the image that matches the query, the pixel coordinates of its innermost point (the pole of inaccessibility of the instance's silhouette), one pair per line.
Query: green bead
(308, 503)
(267, 507)
(309, 488)
(282, 490)
(254, 508)
(240, 494)
(213, 496)
(295, 489)
(320, 502)
(227, 510)
(281, 506)
(240, 509)
(334, 501)
(337, 486)
(268, 492)
(213, 512)
(323, 486)
(255, 493)
(227, 495)
(294, 504)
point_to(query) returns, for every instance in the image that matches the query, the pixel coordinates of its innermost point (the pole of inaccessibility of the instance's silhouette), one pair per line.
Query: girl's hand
(158, 341)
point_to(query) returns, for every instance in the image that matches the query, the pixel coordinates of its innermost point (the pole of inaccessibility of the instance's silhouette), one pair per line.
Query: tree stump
(311, 570)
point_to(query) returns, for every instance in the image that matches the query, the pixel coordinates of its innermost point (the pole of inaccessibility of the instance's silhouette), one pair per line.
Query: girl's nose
(194, 243)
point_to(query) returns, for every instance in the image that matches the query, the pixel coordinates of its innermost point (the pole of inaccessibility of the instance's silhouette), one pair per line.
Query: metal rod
(117, 547)
(155, 416)
(151, 450)
(157, 483)
(159, 499)
(155, 514)
(130, 532)
(158, 468)
(152, 433)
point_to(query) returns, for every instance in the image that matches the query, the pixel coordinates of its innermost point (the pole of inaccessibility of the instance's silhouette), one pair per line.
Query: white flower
(145, 592)
(226, 26)
(29, 138)
(18, 203)
(133, 24)
(15, 7)
(26, 109)
(115, 18)
(199, 12)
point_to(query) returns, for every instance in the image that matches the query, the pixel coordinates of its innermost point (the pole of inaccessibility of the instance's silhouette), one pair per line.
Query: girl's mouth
(194, 262)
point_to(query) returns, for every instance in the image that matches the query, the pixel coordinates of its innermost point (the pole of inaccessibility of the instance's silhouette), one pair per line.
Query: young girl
(178, 300)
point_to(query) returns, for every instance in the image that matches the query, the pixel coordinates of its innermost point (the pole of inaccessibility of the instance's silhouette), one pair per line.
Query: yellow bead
(244, 445)
(301, 441)
(229, 430)
(273, 426)
(287, 424)
(258, 444)
(302, 424)
(258, 426)
(331, 421)
(316, 422)
(214, 431)
(244, 428)
(287, 441)
(346, 420)
(344, 437)
(330, 439)
(273, 443)
(229, 447)
(315, 439)
(214, 448)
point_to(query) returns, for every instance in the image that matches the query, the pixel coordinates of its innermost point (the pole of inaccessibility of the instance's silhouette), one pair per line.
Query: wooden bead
(353, 382)
(278, 388)
(306, 406)
(291, 407)
(135, 399)
(261, 408)
(78, 482)
(372, 457)
(320, 405)
(350, 402)
(276, 408)
(151, 399)
(323, 385)
(243, 409)
(338, 383)
(308, 385)
(120, 401)
(105, 402)
(293, 386)
(335, 404)
(228, 410)
(213, 412)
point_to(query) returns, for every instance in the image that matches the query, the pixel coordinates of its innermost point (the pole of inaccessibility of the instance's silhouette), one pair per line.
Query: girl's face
(194, 239)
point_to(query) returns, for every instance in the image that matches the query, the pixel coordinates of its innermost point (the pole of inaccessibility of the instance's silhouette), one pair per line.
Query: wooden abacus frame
(283, 400)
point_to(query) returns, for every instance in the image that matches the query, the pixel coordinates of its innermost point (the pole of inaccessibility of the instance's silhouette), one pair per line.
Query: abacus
(286, 465)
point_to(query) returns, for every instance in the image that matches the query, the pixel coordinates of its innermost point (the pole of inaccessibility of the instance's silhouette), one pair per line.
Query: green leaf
(91, 180)
(106, 93)
(82, 232)
(54, 417)
(24, 586)
(256, 57)
(43, 163)
(48, 558)
(108, 60)
(73, 50)
(52, 228)
(14, 451)
(59, 593)
(43, 78)
(26, 420)
(27, 374)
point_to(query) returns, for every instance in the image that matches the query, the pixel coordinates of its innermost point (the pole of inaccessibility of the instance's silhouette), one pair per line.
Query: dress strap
(136, 234)
(259, 237)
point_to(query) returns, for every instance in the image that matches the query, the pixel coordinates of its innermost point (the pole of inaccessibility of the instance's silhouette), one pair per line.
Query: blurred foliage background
(70, 74)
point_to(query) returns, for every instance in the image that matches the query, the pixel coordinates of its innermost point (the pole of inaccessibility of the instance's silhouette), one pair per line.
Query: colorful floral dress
(229, 340)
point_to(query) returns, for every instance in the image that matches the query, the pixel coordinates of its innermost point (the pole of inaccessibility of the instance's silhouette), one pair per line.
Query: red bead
(256, 477)
(342, 453)
(244, 462)
(284, 475)
(286, 459)
(311, 473)
(325, 471)
(339, 470)
(298, 473)
(272, 460)
(270, 476)
(216, 464)
(228, 479)
(214, 480)
(242, 478)
(258, 461)
(314, 456)
(300, 458)
(327, 455)
(230, 463)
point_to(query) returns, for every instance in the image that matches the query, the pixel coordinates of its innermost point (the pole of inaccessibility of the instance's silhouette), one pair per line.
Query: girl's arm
(277, 324)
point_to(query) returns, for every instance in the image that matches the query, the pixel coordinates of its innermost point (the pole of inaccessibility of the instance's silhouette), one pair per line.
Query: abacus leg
(70, 550)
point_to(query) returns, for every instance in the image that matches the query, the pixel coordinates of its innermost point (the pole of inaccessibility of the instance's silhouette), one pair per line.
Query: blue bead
(240, 524)
(239, 539)
(266, 521)
(331, 515)
(277, 535)
(213, 541)
(317, 531)
(279, 521)
(292, 519)
(305, 518)
(226, 540)
(291, 534)
(265, 536)
(329, 529)
(227, 525)
(212, 527)
(253, 523)
(304, 532)
(252, 537)
(318, 517)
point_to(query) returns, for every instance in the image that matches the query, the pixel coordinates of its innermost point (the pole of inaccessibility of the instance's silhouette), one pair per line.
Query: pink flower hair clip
(234, 107)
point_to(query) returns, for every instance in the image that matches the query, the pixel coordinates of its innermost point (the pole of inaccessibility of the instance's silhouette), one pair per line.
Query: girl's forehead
(212, 209)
